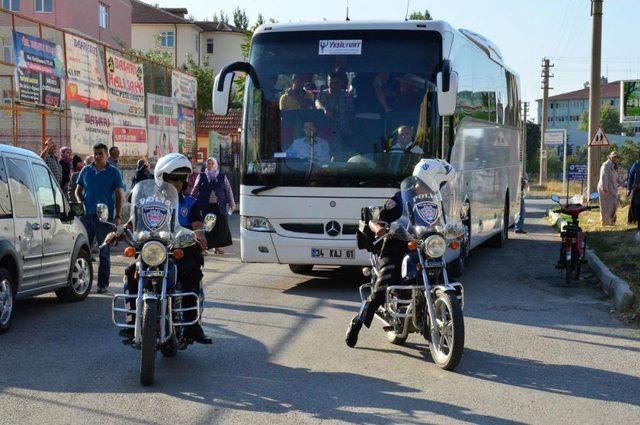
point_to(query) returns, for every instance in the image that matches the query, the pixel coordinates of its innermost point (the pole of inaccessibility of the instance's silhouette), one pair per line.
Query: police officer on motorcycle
(174, 169)
(392, 251)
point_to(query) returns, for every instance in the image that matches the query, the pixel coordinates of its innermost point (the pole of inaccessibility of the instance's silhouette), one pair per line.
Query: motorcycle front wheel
(447, 338)
(149, 339)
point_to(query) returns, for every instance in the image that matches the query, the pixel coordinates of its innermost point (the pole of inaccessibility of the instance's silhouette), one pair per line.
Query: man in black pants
(389, 264)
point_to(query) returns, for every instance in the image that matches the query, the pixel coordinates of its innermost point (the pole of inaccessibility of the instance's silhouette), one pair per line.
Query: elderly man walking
(100, 183)
(608, 189)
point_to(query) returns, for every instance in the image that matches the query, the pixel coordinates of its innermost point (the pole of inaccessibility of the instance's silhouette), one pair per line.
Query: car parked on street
(43, 245)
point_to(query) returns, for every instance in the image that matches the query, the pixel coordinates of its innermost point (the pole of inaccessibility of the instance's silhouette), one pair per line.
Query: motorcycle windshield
(154, 210)
(421, 207)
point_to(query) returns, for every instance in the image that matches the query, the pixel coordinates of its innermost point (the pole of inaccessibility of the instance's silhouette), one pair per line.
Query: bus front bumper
(263, 247)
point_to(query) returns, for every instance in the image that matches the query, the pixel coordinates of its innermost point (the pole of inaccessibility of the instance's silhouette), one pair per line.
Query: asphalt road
(536, 352)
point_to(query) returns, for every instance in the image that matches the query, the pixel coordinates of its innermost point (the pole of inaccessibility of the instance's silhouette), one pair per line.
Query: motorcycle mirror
(555, 198)
(210, 222)
(594, 196)
(103, 213)
(398, 231)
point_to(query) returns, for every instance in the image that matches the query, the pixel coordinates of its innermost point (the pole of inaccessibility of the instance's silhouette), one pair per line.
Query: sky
(524, 30)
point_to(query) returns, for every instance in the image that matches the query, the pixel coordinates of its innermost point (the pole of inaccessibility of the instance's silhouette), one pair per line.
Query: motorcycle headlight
(153, 253)
(435, 246)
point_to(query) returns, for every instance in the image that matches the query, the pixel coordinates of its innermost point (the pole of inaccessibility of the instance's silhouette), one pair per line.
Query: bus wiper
(263, 189)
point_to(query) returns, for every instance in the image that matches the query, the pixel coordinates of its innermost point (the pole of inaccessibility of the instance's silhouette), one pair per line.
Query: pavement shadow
(564, 379)
(255, 308)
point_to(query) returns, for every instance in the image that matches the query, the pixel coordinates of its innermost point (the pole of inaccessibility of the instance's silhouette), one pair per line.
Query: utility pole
(593, 158)
(545, 114)
(525, 106)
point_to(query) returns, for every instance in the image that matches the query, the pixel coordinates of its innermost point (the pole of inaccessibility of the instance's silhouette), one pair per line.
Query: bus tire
(500, 239)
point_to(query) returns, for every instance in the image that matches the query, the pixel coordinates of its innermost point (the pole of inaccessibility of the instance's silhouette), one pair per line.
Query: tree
(533, 148)
(609, 120)
(240, 19)
(419, 16)
(629, 153)
(204, 76)
(223, 17)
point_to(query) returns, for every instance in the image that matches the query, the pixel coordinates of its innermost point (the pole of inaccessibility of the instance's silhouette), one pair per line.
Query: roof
(222, 124)
(176, 10)
(440, 26)
(211, 26)
(144, 13)
(18, 151)
(606, 91)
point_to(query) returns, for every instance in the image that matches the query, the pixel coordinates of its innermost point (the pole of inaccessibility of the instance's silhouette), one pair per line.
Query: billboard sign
(184, 88)
(186, 130)
(130, 135)
(630, 101)
(89, 127)
(162, 125)
(125, 81)
(555, 137)
(86, 82)
(577, 172)
(39, 71)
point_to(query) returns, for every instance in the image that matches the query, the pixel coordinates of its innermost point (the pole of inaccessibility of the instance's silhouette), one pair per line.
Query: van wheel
(80, 279)
(7, 295)
(499, 240)
(301, 268)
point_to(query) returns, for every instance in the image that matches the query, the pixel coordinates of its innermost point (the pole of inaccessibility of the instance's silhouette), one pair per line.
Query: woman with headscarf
(214, 195)
(66, 162)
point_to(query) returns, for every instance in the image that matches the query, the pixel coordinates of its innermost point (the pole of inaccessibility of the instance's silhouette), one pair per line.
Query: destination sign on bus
(340, 47)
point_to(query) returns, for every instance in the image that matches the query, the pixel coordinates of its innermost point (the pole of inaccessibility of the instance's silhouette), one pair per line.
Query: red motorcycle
(574, 242)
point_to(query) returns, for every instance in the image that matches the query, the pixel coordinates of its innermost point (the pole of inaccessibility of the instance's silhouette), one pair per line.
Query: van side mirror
(76, 209)
(223, 82)
(447, 82)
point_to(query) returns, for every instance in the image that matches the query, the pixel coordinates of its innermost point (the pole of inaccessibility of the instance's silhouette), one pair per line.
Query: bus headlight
(153, 253)
(256, 224)
(435, 246)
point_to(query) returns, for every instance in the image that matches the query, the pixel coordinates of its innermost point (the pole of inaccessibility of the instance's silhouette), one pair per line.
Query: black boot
(352, 331)
(197, 334)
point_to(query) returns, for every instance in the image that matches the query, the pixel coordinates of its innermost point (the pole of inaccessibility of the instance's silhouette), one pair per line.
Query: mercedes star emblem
(332, 228)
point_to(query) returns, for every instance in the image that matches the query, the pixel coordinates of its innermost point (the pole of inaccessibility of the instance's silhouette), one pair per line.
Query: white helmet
(434, 172)
(173, 163)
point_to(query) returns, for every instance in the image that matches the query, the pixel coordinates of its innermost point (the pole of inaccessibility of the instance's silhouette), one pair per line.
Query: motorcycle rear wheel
(149, 340)
(447, 342)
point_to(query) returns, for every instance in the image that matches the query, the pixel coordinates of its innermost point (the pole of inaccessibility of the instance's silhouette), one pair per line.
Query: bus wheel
(301, 268)
(500, 239)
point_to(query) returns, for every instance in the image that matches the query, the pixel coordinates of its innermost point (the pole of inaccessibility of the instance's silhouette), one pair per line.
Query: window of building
(103, 15)
(13, 5)
(43, 6)
(5, 202)
(21, 187)
(209, 46)
(167, 38)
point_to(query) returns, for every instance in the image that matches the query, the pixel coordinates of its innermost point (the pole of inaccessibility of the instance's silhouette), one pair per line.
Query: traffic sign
(555, 137)
(577, 172)
(600, 138)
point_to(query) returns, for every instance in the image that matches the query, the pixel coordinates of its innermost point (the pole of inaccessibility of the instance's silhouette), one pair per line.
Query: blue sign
(577, 172)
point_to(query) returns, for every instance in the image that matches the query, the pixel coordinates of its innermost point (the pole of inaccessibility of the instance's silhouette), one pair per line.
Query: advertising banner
(89, 127)
(125, 81)
(39, 71)
(630, 101)
(86, 83)
(130, 135)
(184, 88)
(162, 125)
(186, 130)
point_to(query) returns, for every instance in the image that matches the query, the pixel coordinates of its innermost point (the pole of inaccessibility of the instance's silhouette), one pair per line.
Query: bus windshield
(340, 108)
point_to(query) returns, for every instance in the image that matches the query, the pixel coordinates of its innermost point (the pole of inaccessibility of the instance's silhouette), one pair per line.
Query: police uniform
(389, 259)
(189, 267)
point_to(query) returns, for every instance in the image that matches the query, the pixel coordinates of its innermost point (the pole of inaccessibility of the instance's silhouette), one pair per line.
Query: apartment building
(211, 44)
(108, 21)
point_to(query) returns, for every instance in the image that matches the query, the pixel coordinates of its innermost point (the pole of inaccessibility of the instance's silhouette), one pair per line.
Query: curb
(609, 282)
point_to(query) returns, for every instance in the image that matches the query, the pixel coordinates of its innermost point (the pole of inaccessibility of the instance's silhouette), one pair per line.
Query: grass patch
(552, 187)
(616, 247)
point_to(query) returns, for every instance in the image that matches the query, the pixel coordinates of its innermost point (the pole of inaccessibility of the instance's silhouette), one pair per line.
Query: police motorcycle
(425, 301)
(156, 240)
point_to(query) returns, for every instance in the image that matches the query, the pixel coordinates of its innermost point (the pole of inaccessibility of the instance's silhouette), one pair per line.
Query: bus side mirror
(222, 85)
(447, 82)
(222, 93)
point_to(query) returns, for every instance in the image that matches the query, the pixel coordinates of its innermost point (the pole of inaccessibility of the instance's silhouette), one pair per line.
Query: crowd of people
(98, 180)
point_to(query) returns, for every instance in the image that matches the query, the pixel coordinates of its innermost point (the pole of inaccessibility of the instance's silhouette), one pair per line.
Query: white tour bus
(336, 115)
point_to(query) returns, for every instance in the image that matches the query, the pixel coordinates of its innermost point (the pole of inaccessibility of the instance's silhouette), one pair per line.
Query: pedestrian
(100, 183)
(214, 195)
(524, 181)
(633, 190)
(114, 155)
(48, 154)
(66, 162)
(608, 189)
(191, 180)
(77, 165)
(142, 172)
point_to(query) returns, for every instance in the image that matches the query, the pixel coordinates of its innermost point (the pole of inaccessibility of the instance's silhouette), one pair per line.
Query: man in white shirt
(310, 146)
(404, 141)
